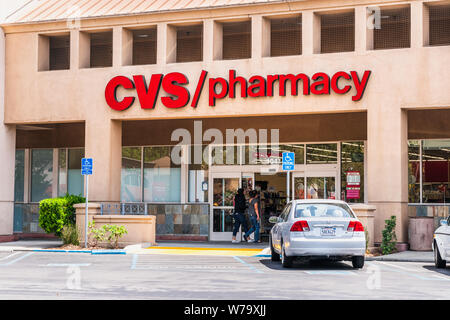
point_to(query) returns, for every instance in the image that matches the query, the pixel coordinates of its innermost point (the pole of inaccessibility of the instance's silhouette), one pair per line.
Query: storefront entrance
(314, 182)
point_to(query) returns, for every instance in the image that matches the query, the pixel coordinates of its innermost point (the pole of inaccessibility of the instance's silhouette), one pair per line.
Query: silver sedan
(441, 244)
(317, 229)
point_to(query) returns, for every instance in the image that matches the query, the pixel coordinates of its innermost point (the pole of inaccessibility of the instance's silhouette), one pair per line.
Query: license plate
(328, 231)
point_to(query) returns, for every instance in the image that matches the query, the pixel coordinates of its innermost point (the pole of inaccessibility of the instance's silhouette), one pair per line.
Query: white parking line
(66, 265)
(18, 259)
(397, 266)
(9, 256)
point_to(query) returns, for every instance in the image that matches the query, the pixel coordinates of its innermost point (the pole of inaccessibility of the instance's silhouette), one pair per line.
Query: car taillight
(301, 225)
(355, 226)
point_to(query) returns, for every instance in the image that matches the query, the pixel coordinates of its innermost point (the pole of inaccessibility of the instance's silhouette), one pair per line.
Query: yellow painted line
(202, 249)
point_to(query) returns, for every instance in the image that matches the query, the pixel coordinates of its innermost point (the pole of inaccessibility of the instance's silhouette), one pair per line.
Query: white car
(441, 244)
(317, 229)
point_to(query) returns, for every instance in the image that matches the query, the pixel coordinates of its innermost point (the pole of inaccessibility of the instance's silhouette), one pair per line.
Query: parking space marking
(18, 259)
(249, 265)
(331, 272)
(66, 265)
(9, 256)
(409, 272)
(144, 262)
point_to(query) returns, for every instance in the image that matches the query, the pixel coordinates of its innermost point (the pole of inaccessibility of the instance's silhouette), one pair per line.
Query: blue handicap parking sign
(86, 166)
(288, 161)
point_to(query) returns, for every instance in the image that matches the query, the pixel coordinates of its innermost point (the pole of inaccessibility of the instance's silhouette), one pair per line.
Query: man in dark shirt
(255, 217)
(240, 204)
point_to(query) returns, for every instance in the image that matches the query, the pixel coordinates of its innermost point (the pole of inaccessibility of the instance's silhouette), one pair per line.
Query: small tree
(115, 233)
(389, 236)
(97, 234)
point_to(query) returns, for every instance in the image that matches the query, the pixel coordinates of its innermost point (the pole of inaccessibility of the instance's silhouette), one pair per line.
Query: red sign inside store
(353, 184)
(178, 96)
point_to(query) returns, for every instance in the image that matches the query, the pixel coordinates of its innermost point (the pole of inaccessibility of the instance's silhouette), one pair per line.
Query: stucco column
(387, 165)
(7, 152)
(103, 143)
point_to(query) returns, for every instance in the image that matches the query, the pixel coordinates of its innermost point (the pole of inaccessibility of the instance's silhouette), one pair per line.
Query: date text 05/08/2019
(237, 309)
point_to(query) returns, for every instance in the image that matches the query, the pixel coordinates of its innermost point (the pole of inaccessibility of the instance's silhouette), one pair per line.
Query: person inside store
(254, 214)
(240, 205)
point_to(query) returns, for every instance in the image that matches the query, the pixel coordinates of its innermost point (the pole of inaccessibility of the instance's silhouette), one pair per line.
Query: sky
(9, 6)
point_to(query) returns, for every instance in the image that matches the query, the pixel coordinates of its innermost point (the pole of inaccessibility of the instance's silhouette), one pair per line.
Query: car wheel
(274, 256)
(285, 260)
(438, 262)
(358, 262)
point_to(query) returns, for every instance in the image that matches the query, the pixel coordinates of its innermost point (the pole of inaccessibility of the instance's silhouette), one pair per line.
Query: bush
(97, 234)
(115, 232)
(56, 213)
(389, 236)
(70, 235)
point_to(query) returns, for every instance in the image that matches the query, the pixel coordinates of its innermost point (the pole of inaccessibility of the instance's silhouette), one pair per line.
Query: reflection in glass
(131, 174)
(198, 174)
(299, 188)
(321, 188)
(19, 176)
(436, 182)
(352, 159)
(222, 220)
(62, 172)
(414, 171)
(162, 177)
(321, 153)
(75, 178)
(41, 174)
(224, 190)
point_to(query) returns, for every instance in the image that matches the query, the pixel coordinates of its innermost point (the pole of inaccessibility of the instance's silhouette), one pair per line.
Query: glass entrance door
(224, 187)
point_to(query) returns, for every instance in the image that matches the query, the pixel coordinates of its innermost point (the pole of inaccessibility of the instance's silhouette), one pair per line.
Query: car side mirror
(273, 219)
(444, 222)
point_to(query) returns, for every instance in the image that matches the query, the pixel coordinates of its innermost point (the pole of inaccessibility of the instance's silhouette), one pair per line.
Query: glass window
(75, 178)
(198, 174)
(59, 52)
(286, 36)
(101, 49)
(435, 158)
(19, 176)
(144, 46)
(299, 188)
(337, 32)
(237, 42)
(352, 171)
(41, 174)
(321, 153)
(439, 19)
(190, 43)
(414, 171)
(225, 155)
(131, 174)
(395, 29)
(321, 188)
(324, 210)
(62, 172)
(273, 154)
(162, 177)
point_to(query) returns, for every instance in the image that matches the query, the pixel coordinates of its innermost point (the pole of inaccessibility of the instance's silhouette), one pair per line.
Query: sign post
(86, 171)
(288, 165)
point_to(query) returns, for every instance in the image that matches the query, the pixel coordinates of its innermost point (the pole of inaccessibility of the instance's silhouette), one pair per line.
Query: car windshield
(336, 210)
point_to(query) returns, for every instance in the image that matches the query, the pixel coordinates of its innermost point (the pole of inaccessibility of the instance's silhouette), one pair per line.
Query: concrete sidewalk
(29, 245)
(406, 256)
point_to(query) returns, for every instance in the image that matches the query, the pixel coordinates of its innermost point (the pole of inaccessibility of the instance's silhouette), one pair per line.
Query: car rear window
(333, 210)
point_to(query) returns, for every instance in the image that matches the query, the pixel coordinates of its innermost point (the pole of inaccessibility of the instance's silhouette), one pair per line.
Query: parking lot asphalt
(45, 275)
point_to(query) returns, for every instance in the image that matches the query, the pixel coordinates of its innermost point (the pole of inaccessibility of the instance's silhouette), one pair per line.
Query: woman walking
(254, 213)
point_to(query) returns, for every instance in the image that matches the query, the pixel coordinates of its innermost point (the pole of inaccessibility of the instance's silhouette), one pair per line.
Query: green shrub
(389, 236)
(96, 234)
(115, 232)
(70, 235)
(56, 213)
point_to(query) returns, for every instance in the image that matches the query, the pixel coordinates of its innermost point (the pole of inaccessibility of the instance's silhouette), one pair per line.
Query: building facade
(358, 90)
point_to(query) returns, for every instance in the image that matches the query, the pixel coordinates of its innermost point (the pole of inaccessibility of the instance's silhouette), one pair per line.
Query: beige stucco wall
(401, 79)
(7, 151)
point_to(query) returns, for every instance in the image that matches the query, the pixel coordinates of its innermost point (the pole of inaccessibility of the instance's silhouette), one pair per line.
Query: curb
(65, 251)
(111, 251)
(108, 252)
